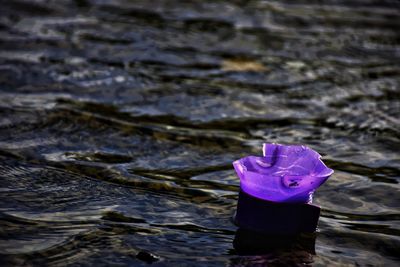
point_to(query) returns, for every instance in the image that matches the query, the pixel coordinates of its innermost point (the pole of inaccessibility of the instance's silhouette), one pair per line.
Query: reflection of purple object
(285, 174)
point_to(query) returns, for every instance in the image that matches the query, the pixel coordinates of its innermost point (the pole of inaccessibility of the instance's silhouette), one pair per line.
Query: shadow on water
(258, 248)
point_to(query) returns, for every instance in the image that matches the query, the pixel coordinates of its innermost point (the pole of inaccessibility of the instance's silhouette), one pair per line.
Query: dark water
(120, 119)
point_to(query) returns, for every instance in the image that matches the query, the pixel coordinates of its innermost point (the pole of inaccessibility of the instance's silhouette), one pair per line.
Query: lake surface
(119, 121)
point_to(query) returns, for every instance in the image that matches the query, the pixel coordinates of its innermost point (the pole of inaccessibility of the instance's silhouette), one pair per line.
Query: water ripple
(119, 121)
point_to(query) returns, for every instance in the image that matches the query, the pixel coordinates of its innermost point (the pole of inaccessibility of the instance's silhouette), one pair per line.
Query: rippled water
(120, 119)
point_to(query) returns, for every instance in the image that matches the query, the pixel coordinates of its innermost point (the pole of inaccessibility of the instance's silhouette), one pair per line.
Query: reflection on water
(119, 121)
(269, 249)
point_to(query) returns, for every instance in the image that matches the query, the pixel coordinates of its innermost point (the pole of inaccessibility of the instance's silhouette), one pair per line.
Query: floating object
(276, 190)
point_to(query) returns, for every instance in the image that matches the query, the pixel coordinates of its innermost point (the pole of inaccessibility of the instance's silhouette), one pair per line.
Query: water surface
(119, 121)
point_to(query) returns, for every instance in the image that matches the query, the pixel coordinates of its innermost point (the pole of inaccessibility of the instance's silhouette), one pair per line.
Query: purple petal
(286, 173)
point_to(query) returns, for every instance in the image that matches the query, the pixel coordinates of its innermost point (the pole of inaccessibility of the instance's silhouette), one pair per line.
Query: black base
(259, 215)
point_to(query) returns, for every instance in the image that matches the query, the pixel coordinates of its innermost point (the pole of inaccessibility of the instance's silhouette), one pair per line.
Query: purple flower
(286, 173)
